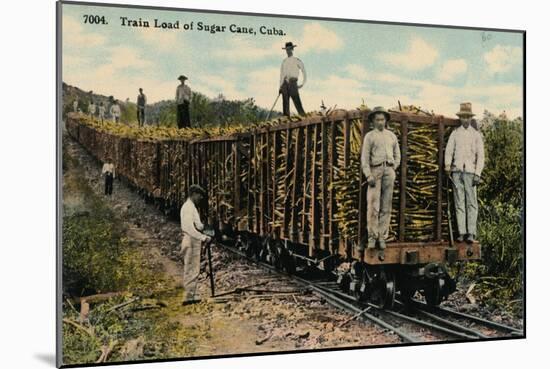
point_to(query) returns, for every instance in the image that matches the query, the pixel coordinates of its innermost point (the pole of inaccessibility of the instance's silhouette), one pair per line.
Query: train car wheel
(433, 292)
(383, 292)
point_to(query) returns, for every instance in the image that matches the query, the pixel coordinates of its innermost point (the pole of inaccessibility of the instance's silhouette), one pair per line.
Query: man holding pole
(288, 81)
(464, 161)
(191, 243)
(380, 157)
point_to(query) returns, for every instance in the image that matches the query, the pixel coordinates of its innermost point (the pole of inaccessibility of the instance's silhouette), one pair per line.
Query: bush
(500, 274)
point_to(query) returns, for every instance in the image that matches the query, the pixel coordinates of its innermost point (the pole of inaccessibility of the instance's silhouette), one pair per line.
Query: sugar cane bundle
(346, 182)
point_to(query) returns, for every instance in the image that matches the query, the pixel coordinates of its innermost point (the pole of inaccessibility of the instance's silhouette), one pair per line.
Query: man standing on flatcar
(141, 101)
(288, 81)
(380, 157)
(191, 243)
(183, 99)
(464, 161)
(91, 109)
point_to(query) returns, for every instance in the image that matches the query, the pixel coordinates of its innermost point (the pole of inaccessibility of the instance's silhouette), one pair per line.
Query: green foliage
(502, 176)
(95, 254)
(500, 275)
(128, 112)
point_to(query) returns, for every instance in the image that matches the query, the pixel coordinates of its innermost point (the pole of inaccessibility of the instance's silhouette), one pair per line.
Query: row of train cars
(292, 194)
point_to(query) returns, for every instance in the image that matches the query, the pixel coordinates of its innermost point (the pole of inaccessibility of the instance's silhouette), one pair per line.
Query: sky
(346, 62)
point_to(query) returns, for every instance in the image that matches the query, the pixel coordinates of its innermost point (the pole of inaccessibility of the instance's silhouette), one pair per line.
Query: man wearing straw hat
(183, 98)
(380, 157)
(288, 81)
(464, 161)
(191, 243)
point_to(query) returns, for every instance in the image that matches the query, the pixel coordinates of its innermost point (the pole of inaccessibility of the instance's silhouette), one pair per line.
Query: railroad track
(405, 319)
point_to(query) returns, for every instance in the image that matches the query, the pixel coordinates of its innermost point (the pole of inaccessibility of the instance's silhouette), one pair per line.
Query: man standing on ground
(464, 161)
(75, 105)
(115, 111)
(183, 98)
(108, 171)
(141, 101)
(288, 81)
(191, 243)
(380, 157)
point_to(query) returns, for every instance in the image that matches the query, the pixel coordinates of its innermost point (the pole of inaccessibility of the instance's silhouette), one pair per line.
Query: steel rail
(489, 323)
(330, 297)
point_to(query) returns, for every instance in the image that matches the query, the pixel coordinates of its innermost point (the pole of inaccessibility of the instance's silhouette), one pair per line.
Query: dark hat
(289, 44)
(182, 77)
(465, 110)
(376, 110)
(196, 189)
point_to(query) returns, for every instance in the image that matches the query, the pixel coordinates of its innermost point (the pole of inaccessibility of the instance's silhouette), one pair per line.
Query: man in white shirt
(183, 98)
(108, 171)
(464, 161)
(91, 109)
(115, 111)
(380, 157)
(288, 81)
(101, 110)
(191, 226)
(75, 105)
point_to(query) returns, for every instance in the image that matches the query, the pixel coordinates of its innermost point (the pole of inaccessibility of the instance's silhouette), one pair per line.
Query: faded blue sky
(346, 62)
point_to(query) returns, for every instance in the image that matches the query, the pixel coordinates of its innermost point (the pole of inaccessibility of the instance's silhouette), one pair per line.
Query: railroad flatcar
(292, 193)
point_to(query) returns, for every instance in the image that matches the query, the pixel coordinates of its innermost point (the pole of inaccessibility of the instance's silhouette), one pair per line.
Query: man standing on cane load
(288, 82)
(115, 111)
(464, 161)
(141, 101)
(183, 98)
(191, 243)
(101, 110)
(380, 157)
(91, 109)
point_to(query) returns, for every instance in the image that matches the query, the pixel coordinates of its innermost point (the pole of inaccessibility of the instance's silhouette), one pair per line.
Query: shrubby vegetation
(501, 213)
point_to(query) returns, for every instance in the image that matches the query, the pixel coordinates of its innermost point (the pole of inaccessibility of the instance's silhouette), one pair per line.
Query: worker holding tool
(380, 157)
(464, 161)
(191, 227)
(288, 82)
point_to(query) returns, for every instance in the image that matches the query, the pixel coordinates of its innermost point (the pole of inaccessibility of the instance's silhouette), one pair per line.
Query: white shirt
(183, 93)
(379, 147)
(108, 168)
(290, 68)
(115, 110)
(91, 108)
(191, 221)
(465, 151)
(101, 111)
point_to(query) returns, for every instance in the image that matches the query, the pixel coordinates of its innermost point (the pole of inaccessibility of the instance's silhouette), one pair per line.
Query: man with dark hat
(464, 161)
(141, 101)
(288, 82)
(183, 97)
(380, 157)
(191, 242)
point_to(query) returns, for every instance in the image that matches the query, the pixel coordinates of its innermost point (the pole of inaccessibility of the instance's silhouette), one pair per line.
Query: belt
(290, 79)
(383, 163)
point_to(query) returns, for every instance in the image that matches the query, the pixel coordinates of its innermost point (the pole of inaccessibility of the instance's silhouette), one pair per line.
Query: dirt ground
(282, 317)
